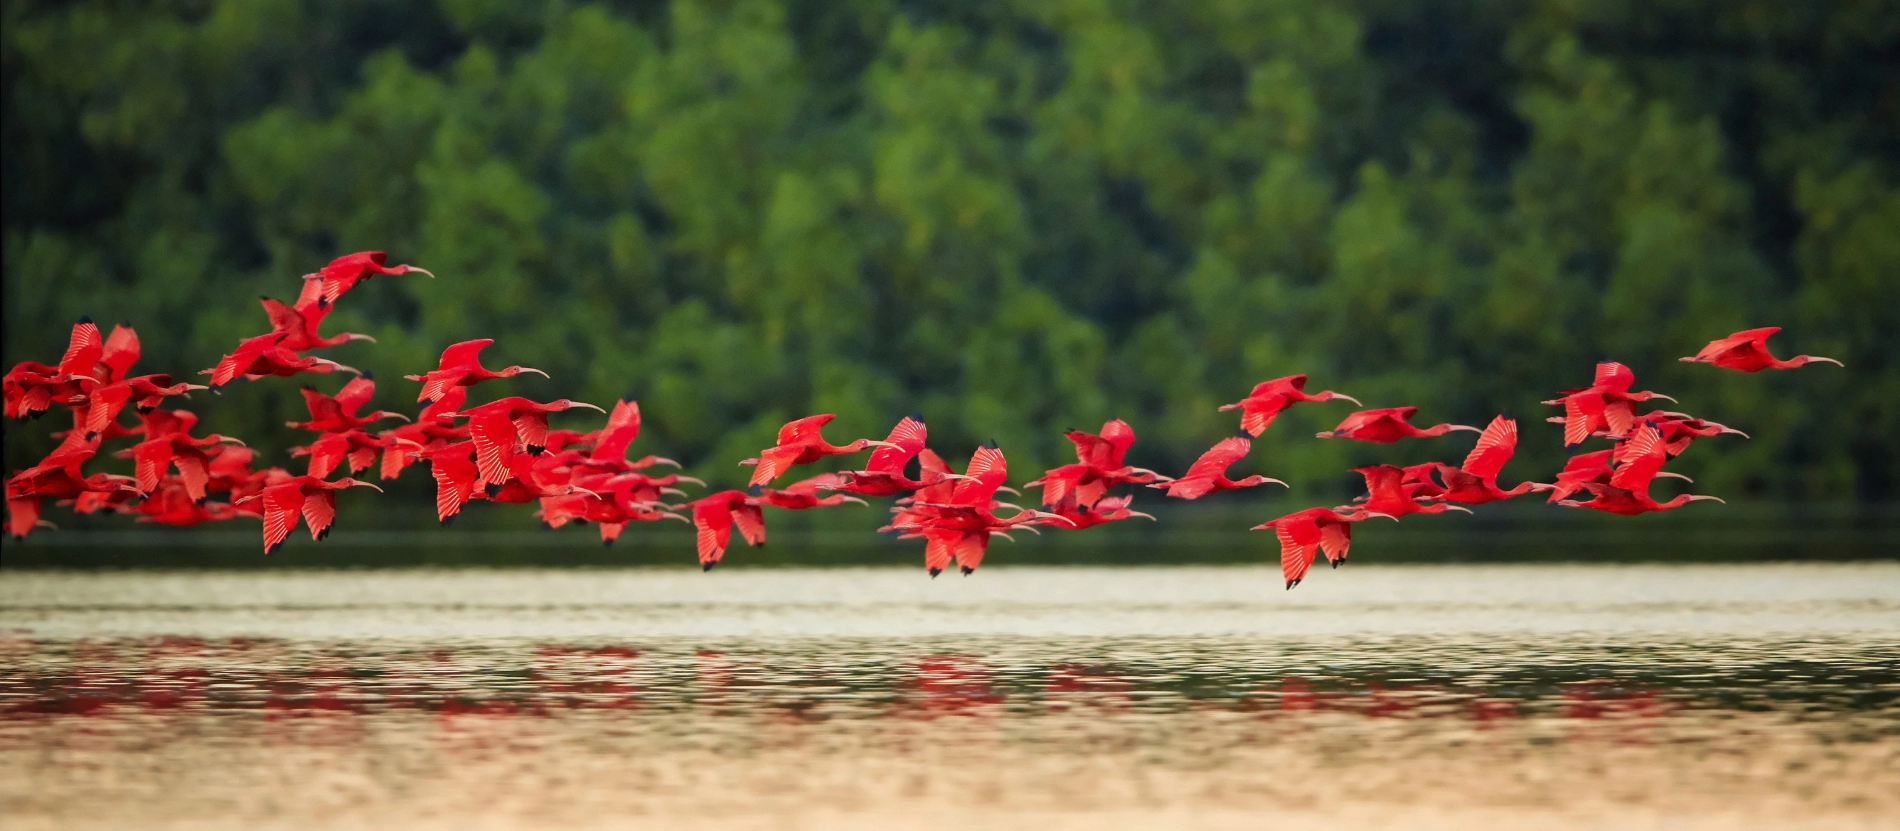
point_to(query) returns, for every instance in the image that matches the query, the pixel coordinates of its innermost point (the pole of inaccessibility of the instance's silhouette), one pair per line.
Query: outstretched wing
(494, 437)
(988, 470)
(1120, 437)
(1219, 457)
(804, 430)
(751, 523)
(464, 355)
(281, 504)
(1642, 456)
(909, 436)
(1494, 448)
(1299, 544)
(1335, 539)
(1615, 376)
(121, 352)
(355, 394)
(83, 350)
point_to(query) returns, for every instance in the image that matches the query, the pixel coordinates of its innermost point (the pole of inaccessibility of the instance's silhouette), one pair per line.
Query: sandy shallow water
(1205, 698)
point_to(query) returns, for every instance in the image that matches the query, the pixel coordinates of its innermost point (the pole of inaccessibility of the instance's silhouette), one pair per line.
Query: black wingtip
(273, 549)
(934, 572)
(423, 404)
(1244, 435)
(547, 526)
(967, 570)
(707, 566)
(448, 519)
(918, 416)
(755, 490)
(84, 319)
(491, 490)
(607, 543)
(368, 375)
(991, 444)
(534, 449)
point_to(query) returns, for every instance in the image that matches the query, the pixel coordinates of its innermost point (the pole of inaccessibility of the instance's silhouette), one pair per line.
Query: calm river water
(1659, 697)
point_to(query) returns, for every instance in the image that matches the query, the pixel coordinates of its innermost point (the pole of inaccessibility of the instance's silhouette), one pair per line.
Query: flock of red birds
(505, 451)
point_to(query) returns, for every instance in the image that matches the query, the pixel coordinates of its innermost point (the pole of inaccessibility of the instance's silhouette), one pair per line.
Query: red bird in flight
(343, 273)
(499, 424)
(715, 515)
(802, 495)
(1385, 426)
(1209, 473)
(1388, 495)
(1476, 482)
(1606, 405)
(1269, 398)
(1099, 467)
(461, 366)
(266, 355)
(1627, 493)
(800, 443)
(884, 475)
(1305, 534)
(298, 322)
(313, 497)
(1747, 351)
(334, 414)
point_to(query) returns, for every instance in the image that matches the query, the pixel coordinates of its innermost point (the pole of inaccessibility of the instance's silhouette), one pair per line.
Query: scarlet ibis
(229, 468)
(313, 497)
(1476, 481)
(461, 366)
(1385, 426)
(343, 273)
(145, 392)
(355, 446)
(179, 450)
(434, 427)
(800, 443)
(173, 505)
(1607, 404)
(962, 533)
(1747, 351)
(610, 508)
(883, 474)
(803, 495)
(499, 424)
(714, 516)
(611, 442)
(1418, 482)
(1100, 466)
(1105, 510)
(1269, 398)
(59, 477)
(454, 470)
(298, 323)
(1388, 496)
(1304, 534)
(31, 386)
(1614, 500)
(526, 484)
(334, 414)
(1209, 473)
(265, 355)
(1678, 429)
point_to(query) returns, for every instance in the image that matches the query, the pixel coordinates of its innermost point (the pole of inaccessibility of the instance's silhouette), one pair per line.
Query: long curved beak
(676, 466)
(1735, 431)
(1009, 490)
(1347, 397)
(1143, 516)
(1010, 538)
(1452, 427)
(354, 483)
(1673, 475)
(422, 271)
(579, 489)
(1276, 481)
(1387, 516)
(881, 443)
(1698, 497)
(537, 372)
(594, 407)
(1689, 360)
(1812, 358)
(341, 368)
(672, 492)
(690, 479)
(195, 386)
(676, 516)
(849, 498)
(1226, 407)
(1451, 507)
(382, 414)
(232, 440)
(1324, 434)
(961, 476)
(357, 336)
(1664, 397)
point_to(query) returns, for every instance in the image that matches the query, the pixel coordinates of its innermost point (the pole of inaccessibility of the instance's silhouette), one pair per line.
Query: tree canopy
(1011, 217)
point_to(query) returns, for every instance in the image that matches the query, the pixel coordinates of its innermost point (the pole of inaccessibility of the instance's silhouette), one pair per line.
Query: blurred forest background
(1012, 217)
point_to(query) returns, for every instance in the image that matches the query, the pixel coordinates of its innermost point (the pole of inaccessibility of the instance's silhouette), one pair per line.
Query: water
(1426, 697)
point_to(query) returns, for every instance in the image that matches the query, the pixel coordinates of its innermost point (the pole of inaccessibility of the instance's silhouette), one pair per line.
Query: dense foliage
(1010, 217)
